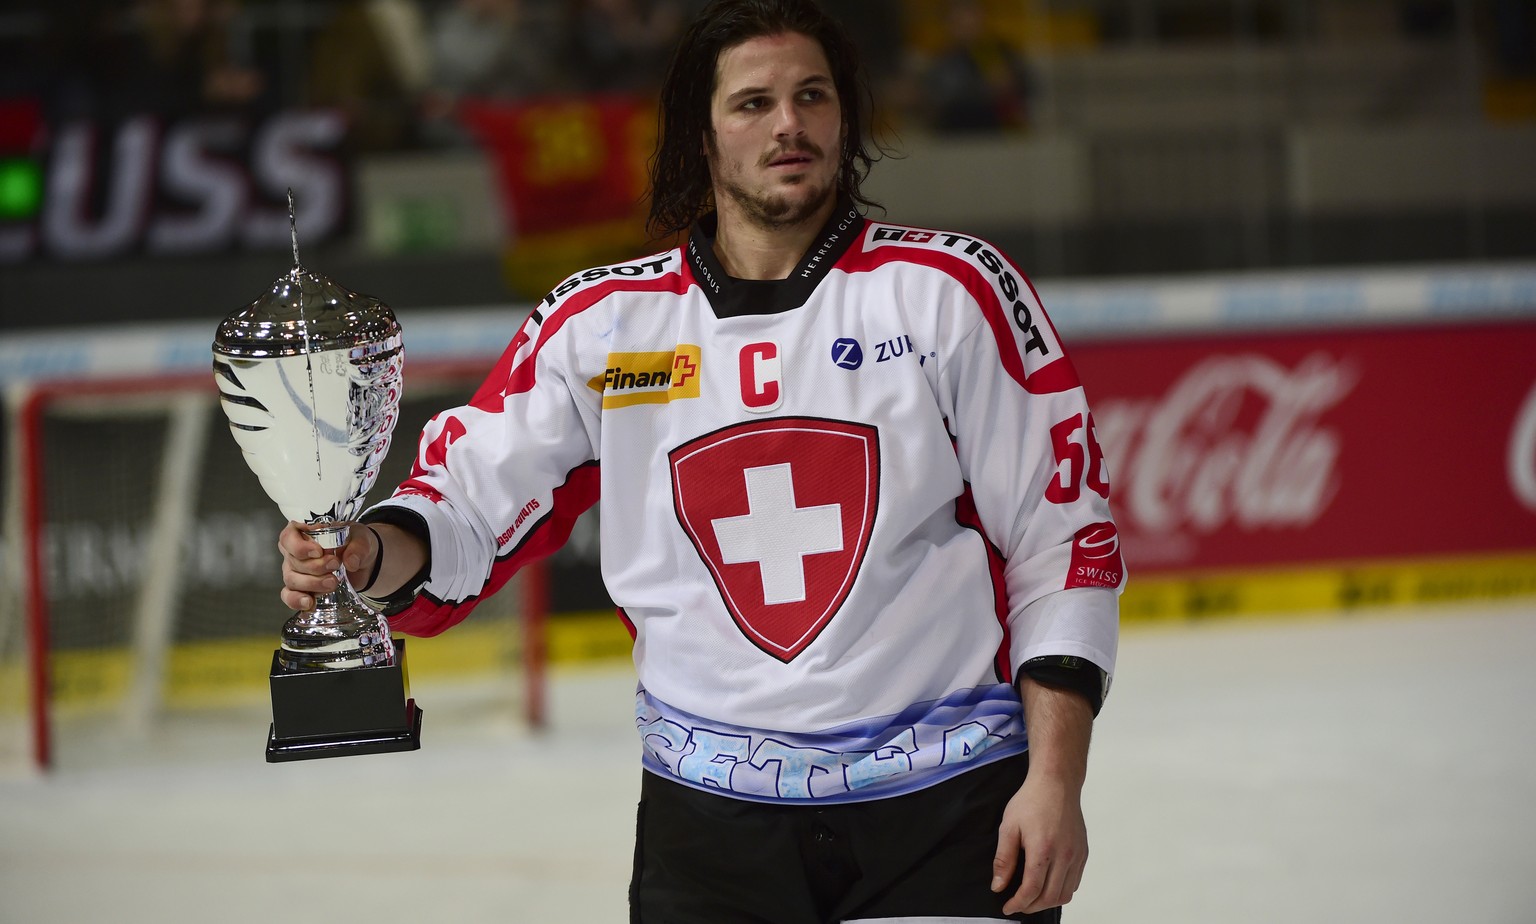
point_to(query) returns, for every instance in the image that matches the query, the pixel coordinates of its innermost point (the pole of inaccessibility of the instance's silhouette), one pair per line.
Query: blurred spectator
(1506, 27)
(83, 52)
(623, 45)
(363, 63)
(167, 57)
(1514, 24)
(495, 48)
(978, 83)
(1427, 19)
(191, 45)
(488, 49)
(878, 27)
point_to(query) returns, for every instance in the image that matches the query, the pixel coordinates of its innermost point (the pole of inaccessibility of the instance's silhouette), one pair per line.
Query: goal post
(140, 571)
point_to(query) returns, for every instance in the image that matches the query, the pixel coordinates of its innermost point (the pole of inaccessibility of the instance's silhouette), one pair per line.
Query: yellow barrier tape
(1338, 587)
(222, 673)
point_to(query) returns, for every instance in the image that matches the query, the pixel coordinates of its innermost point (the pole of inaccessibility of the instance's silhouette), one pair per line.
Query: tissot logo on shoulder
(916, 236)
(1023, 315)
(654, 267)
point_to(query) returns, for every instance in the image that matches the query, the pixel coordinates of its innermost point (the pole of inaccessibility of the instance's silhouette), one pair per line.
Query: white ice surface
(1355, 770)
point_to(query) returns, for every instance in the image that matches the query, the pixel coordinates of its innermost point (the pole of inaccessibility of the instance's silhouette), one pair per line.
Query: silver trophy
(310, 377)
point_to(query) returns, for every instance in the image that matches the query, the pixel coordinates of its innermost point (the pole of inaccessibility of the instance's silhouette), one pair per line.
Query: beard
(775, 210)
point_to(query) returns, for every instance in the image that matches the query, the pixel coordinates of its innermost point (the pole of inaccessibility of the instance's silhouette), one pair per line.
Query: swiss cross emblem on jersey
(780, 511)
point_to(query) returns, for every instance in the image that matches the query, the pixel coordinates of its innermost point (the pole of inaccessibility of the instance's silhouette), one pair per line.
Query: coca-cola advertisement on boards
(1290, 448)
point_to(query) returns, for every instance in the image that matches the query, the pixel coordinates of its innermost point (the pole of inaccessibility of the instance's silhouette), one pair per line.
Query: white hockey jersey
(838, 510)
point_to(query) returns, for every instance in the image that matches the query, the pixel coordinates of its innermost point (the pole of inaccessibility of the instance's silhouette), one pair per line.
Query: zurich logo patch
(847, 353)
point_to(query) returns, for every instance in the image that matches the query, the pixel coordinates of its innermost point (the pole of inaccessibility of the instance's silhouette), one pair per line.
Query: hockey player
(853, 515)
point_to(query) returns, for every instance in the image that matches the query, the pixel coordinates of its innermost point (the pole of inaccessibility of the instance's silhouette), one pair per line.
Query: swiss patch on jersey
(780, 511)
(1096, 558)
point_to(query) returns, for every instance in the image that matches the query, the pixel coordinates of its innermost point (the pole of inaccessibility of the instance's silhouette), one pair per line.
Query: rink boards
(1279, 443)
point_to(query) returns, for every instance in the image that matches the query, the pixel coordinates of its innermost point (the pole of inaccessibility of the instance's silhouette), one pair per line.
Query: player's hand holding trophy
(310, 377)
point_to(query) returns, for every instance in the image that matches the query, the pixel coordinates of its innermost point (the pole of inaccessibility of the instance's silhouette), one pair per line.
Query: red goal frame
(37, 396)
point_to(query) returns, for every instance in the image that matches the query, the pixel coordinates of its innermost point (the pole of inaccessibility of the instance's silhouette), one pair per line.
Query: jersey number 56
(1078, 456)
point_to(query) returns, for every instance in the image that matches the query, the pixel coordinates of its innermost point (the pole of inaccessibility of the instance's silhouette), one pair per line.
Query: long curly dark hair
(680, 181)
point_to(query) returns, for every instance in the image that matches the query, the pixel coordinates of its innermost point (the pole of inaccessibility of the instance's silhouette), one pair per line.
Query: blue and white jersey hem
(874, 759)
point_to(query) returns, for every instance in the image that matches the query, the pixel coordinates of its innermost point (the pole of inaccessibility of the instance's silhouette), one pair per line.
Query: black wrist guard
(1073, 674)
(412, 523)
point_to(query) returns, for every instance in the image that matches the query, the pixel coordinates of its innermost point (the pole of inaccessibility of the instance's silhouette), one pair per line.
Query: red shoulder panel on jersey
(514, 371)
(967, 516)
(931, 249)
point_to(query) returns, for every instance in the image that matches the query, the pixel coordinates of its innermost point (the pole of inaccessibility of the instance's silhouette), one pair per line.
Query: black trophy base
(341, 712)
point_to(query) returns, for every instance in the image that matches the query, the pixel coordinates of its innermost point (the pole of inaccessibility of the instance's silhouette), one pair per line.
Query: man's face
(778, 131)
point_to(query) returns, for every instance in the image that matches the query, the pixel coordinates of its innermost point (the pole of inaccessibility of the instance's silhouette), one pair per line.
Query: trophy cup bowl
(310, 378)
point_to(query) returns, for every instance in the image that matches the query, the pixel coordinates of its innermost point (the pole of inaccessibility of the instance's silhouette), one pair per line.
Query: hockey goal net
(140, 571)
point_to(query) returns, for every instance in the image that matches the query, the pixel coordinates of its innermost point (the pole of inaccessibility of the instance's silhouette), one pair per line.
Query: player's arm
(500, 481)
(1025, 443)
(486, 474)
(1043, 830)
(380, 558)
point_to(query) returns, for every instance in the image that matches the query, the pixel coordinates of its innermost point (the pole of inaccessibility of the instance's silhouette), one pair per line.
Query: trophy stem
(341, 631)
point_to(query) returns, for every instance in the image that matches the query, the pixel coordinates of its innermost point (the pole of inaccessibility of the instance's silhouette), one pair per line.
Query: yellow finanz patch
(649, 378)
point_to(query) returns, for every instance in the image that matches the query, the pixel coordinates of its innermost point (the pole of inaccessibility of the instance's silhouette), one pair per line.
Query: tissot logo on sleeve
(780, 511)
(762, 377)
